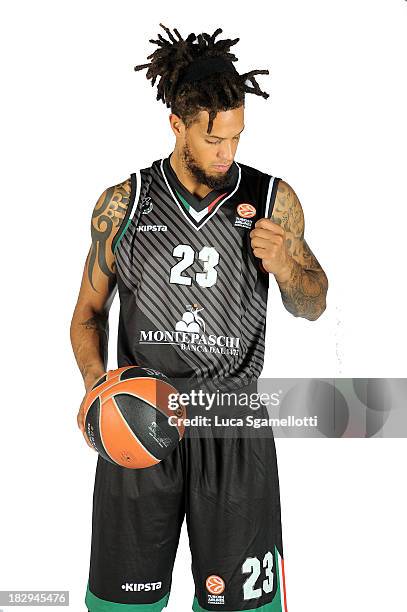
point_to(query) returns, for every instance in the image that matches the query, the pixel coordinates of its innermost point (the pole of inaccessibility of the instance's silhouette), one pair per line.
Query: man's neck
(189, 182)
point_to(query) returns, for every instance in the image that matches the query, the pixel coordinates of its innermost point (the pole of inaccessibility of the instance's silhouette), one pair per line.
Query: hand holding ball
(126, 417)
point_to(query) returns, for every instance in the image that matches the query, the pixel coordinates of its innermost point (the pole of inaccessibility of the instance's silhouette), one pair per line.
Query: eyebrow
(219, 137)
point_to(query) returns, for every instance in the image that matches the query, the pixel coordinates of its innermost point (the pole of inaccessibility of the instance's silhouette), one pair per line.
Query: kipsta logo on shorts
(141, 586)
(245, 212)
(215, 586)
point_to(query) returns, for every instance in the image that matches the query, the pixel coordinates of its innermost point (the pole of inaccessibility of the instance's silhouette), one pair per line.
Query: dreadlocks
(217, 92)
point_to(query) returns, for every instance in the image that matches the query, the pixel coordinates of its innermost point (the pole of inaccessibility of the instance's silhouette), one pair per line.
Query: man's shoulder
(122, 188)
(281, 186)
(253, 171)
(110, 210)
(114, 193)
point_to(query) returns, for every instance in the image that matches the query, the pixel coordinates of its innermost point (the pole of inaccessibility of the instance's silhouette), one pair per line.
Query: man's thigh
(234, 524)
(136, 522)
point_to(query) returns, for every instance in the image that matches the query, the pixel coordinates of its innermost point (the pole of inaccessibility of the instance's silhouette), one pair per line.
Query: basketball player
(190, 243)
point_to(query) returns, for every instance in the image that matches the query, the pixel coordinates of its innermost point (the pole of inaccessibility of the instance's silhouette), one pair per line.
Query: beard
(218, 181)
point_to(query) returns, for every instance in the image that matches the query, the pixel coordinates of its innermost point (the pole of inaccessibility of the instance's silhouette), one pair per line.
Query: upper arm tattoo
(106, 219)
(288, 213)
(304, 293)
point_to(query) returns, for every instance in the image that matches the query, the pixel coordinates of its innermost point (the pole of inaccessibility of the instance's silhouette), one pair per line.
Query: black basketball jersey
(193, 297)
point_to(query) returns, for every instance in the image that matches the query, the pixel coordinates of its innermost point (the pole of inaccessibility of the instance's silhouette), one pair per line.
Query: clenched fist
(269, 244)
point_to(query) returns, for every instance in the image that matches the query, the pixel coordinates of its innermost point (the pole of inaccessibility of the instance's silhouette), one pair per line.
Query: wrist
(92, 376)
(285, 273)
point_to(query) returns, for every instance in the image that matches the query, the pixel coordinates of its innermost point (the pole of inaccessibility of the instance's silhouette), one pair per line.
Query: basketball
(126, 417)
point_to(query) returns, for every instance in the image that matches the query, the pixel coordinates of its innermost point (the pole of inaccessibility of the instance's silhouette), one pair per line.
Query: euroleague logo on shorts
(246, 210)
(215, 585)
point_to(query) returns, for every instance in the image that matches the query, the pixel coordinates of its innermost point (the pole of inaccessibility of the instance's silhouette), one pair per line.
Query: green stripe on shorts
(95, 604)
(273, 606)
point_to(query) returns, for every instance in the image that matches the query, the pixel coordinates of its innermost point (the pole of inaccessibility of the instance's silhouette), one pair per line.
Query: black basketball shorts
(228, 490)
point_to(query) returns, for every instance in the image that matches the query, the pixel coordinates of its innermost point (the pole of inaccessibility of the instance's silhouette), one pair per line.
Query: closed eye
(219, 141)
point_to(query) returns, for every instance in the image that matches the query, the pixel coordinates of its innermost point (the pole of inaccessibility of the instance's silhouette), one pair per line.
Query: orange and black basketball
(127, 417)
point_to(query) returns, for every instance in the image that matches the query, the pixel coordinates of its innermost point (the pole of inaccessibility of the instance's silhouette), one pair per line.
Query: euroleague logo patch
(245, 212)
(215, 586)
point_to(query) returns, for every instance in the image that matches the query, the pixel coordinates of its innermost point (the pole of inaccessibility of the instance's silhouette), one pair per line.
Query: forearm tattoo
(107, 216)
(304, 293)
(100, 324)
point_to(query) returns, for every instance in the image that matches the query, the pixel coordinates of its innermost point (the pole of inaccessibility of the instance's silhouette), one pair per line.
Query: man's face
(208, 157)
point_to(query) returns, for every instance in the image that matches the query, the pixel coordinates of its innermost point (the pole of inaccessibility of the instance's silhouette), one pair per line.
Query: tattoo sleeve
(304, 293)
(107, 216)
(90, 326)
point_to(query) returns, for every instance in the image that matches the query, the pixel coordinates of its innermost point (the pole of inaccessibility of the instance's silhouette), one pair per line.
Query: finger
(272, 239)
(270, 225)
(260, 242)
(80, 420)
(262, 233)
(268, 234)
(270, 243)
(260, 253)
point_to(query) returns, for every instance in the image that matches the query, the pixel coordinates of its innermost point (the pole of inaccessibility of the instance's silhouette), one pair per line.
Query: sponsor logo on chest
(190, 334)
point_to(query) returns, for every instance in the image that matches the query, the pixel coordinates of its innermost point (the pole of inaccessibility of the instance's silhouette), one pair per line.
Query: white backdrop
(76, 119)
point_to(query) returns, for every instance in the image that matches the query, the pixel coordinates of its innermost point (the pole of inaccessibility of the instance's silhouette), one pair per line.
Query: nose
(225, 153)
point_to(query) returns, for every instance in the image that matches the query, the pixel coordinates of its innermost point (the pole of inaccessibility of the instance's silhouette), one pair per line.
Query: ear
(177, 125)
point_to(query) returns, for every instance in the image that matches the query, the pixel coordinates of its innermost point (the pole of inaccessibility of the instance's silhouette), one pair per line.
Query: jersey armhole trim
(271, 196)
(133, 199)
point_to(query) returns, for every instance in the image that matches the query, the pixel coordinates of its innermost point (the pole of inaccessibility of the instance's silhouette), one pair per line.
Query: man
(190, 242)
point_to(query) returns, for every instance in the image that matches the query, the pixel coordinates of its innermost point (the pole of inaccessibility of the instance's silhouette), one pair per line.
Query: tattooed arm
(89, 329)
(280, 243)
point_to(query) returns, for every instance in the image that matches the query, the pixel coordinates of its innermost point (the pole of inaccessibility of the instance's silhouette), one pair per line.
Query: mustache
(202, 177)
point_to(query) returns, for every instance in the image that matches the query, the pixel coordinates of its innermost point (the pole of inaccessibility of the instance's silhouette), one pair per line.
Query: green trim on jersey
(183, 200)
(95, 604)
(207, 210)
(121, 235)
